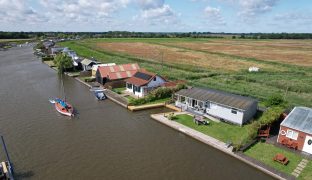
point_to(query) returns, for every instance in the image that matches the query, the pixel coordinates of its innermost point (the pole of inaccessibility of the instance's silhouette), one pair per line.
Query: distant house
(142, 82)
(233, 108)
(87, 64)
(114, 76)
(56, 50)
(296, 129)
(96, 66)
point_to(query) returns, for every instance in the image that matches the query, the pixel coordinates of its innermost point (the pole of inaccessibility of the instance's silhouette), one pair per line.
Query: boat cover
(61, 102)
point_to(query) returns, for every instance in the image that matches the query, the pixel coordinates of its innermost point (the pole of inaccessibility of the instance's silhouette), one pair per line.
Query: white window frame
(292, 134)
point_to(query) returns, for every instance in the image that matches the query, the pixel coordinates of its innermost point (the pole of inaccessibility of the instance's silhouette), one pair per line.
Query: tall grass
(294, 82)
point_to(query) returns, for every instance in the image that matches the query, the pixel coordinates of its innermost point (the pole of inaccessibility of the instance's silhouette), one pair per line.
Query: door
(133, 88)
(193, 103)
(307, 146)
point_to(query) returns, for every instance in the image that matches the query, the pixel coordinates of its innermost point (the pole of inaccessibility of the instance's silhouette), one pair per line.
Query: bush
(89, 79)
(47, 58)
(275, 100)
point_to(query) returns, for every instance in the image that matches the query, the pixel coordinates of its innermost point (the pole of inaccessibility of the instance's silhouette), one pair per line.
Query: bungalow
(87, 64)
(96, 66)
(142, 82)
(56, 50)
(114, 76)
(296, 130)
(232, 108)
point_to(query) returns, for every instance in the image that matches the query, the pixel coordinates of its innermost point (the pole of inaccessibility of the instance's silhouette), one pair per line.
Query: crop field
(285, 65)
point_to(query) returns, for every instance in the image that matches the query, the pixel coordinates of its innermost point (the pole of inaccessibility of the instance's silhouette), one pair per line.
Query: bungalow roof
(219, 97)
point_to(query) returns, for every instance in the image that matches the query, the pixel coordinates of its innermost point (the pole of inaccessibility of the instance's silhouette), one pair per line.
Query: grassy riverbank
(285, 66)
(265, 152)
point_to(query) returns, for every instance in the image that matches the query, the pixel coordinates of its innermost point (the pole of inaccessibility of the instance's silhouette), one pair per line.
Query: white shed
(228, 107)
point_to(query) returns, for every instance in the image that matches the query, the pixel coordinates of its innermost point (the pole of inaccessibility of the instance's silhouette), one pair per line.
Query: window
(138, 89)
(207, 104)
(182, 99)
(200, 104)
(154, 78)
(292, 134)
(234, 111)
(129, 86)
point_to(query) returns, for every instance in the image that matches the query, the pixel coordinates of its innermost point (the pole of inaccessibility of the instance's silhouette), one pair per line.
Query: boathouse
(225, 106)
(96, 66)
(296, 130)
(114, 76)
(142, 82)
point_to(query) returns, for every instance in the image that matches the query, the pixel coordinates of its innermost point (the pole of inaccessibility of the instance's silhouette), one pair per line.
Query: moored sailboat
(61, 105)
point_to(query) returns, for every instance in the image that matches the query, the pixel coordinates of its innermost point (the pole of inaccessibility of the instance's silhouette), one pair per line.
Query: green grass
(219, 130)
(294, 82)
(265, 152)
(158, 101)
(306, 174)
(119, 90)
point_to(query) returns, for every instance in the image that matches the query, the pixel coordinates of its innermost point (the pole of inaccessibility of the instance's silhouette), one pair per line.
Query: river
(104, 140)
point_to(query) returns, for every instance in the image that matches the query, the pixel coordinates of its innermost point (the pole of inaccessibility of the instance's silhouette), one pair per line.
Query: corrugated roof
(86, 62)
(219, 97)
(300, 118)
(124, 71)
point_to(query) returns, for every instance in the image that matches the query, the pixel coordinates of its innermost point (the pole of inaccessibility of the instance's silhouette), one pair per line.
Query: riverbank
(217, 145)
(188, 131)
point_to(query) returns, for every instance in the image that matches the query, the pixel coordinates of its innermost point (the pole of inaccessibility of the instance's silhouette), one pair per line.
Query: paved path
(300, 167)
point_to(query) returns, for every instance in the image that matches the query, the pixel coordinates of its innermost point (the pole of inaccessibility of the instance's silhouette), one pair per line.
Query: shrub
(89, 79)
(275, 100)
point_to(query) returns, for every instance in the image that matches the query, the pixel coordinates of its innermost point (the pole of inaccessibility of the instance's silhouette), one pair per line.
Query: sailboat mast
(63, 87)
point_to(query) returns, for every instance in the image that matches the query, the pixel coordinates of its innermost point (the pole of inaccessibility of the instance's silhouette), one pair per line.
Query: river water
(104, 141)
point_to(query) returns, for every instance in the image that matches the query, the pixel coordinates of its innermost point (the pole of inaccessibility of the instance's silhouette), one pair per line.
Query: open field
(217, 63)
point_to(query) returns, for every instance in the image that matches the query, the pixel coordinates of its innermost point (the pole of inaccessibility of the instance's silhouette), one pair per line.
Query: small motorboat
(98, 93)
(63, 107)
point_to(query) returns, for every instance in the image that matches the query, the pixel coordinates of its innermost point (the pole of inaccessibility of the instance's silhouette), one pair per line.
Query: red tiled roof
(118, 71)
(140, 81)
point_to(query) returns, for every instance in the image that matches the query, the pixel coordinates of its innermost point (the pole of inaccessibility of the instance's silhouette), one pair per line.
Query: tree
(62, 62)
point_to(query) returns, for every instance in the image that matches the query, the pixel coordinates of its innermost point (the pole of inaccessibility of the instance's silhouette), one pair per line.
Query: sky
(230, 16)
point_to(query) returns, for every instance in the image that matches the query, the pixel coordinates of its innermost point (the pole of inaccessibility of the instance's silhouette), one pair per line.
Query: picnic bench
(290, 144)
(264, 132)
(281, 159)
(200, 120)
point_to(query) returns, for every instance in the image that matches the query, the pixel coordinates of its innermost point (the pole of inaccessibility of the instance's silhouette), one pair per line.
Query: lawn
(119, 90)
(219, 130)
(306, 174)
(129, 98)
(265, 152)
(158, 101)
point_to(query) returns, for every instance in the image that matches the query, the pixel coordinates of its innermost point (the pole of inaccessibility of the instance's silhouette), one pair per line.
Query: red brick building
(296, 130)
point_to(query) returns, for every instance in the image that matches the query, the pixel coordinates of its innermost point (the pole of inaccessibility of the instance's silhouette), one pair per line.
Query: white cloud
(150, 4)
(13, 11)
(213, 15)
(156, 12)
(250, 9)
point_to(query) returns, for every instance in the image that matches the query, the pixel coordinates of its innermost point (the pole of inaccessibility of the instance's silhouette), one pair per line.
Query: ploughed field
(285, 65)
